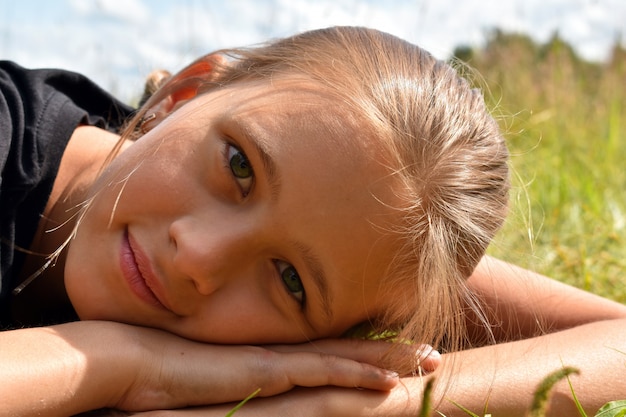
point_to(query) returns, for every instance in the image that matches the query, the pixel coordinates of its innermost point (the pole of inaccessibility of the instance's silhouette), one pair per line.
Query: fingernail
(427, 353)
(392, 374)
(434, 354)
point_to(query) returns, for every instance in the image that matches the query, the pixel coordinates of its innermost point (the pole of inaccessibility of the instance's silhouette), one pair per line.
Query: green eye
(292, 280)
(239, 164)
(240, 167)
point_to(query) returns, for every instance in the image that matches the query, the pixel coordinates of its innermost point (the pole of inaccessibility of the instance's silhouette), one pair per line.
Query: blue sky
(117, 42)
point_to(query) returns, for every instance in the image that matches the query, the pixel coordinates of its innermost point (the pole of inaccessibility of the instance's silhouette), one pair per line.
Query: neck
(82, 160)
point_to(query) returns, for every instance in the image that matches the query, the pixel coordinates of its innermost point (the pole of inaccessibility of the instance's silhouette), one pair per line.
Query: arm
(506, 376)
(520, 303)
(501, 378)
(67, 369)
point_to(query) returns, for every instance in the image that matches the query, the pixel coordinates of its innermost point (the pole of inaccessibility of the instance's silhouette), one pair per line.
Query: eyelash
(244, 181)
(300, 294)
(281, 266)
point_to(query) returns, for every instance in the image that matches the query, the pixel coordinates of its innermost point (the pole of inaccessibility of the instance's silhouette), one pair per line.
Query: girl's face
(253, 214)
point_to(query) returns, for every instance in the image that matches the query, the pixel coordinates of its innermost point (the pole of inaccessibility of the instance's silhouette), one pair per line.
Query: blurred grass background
(565, 122)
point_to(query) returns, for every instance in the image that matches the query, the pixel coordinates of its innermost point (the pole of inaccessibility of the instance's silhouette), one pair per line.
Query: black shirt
(39, 110)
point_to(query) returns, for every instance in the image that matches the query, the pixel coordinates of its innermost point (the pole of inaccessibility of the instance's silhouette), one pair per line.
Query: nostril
(173, 243)
(205, 286)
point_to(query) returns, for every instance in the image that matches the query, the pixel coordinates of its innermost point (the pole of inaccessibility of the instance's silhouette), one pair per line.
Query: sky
(117, 42)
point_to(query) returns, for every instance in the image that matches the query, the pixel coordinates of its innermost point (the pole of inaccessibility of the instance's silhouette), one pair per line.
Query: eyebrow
(318, 276)
(267, 162)
(312, 262)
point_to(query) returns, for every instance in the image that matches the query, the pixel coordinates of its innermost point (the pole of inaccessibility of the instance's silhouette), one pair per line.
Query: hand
(88, 365)
(402, 401)
(424, 357)
(172, 372)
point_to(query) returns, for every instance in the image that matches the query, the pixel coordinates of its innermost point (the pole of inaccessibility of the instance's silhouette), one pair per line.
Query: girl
(338, 179)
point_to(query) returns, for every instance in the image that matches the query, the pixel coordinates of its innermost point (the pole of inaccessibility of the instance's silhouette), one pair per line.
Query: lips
(136, 270)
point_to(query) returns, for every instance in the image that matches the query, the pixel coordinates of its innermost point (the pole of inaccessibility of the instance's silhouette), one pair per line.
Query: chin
(85, 311)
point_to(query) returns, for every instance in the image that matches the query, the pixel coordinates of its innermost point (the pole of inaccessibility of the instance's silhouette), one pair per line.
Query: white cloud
(132, 11)
(117, 42)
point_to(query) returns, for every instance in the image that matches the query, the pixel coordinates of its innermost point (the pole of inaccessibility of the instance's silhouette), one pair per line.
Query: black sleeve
(39, 110)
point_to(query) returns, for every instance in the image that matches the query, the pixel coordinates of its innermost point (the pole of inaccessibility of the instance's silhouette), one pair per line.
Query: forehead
(291, 104)
(298, 118)
(296, 115)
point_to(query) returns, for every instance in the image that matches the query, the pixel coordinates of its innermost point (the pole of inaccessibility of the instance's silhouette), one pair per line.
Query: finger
(275, 373)
(367, 351)
(319, 369)
(420, 357)
(191, 379)
(428, 359)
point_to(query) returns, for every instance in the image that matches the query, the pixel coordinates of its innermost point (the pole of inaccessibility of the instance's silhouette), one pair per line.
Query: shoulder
(46, 93)
(39, 112)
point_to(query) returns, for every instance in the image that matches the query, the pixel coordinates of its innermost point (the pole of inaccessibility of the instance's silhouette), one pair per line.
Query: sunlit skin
(219, 243)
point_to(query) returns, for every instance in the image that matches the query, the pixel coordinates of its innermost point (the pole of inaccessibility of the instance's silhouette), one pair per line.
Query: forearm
(504, 377)
(72, 368)
(61, 370)
(499, 380)
(520, 303)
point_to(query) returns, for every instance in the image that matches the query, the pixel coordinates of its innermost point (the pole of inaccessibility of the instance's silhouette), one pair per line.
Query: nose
(210, 253)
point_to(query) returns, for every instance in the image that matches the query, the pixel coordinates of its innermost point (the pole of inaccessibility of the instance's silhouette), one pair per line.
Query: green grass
(242, 403)
(565, 122)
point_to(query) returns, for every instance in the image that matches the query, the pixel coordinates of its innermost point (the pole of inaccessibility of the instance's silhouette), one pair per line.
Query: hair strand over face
(443, 146)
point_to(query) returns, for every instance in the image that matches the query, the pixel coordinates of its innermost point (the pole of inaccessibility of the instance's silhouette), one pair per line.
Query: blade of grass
(613, 409)
(579, 406)
(241, 404)
(427, 399)
(465, 410)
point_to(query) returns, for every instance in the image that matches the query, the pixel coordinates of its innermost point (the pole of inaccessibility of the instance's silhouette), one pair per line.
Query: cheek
(87, 266)
(239, 320)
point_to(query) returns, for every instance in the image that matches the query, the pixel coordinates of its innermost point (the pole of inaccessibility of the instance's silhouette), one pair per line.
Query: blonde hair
(446, 148)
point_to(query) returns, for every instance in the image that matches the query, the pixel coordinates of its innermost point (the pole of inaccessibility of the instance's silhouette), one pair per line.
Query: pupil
(240, 166)
(292, 280)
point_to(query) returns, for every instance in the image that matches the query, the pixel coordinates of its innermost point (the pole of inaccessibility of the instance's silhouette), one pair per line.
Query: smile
(136, 271)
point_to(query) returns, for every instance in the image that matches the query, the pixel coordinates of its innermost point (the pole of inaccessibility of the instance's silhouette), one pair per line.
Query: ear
(183, 86)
